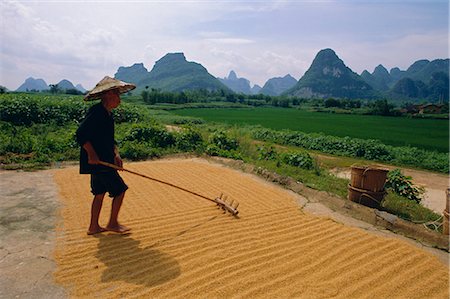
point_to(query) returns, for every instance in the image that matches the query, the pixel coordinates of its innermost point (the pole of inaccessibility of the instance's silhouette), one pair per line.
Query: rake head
(227, 206)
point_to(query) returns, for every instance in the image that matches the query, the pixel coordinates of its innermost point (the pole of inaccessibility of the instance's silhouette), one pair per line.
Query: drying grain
(182, 246)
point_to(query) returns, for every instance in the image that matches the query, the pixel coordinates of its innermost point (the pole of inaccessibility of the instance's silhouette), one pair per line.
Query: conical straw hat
(107, 84)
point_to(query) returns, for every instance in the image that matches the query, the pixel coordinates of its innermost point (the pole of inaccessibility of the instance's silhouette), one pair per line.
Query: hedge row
(361, 148)
(27, 110)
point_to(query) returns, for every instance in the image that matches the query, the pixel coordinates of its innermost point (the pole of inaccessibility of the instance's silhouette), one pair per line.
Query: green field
(430, 134)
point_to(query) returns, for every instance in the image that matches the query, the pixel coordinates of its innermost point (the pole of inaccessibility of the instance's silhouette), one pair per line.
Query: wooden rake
(221, 201)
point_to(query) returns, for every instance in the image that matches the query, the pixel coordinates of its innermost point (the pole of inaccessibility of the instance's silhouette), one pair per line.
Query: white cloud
(401, 52)
(229, 40)
(84, 40)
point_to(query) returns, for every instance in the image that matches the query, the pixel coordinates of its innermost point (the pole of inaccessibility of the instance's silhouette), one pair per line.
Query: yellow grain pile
(181, 246)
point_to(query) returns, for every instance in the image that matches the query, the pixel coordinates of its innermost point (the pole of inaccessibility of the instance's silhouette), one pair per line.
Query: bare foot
(96, 231)
(118, 229)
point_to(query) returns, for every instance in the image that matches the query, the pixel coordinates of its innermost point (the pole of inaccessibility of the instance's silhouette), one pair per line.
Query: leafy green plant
(223, 142)
(153, 134)
(298, 159)
(267, 153)
(220, 144)
(214, 150)
(136, 150)
(188, 140)
(402, 185)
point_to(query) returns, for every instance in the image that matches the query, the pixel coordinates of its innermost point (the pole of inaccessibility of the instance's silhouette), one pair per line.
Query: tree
(284, 103)
(54, 88)
(181, 98)
(144, 95)
(231, 98)
(73, 91)
(382, 107)
(332, 103)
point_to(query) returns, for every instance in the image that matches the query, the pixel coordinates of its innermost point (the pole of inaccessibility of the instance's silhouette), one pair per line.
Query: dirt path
(435, 185)
(182, 247)
(28, 206)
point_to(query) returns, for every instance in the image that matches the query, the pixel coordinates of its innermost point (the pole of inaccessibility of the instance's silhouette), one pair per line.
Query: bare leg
(113, 224)
(96, 207)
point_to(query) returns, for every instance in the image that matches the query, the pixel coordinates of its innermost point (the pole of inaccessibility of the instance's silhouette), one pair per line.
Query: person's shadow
(126, 261)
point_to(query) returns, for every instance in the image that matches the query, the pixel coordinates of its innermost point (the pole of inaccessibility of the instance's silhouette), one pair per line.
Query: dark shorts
(109, 181)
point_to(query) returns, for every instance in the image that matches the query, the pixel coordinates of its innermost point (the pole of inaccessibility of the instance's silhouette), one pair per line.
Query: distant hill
(424, 80)
(380, 79)
(65, 85)
(256, 89)
(80, 88)
(239, 85)
(278, 85)
(32, 84)
(132, 74)
(437, 90)
(328, 76)
(171, 73)
(423, 70)
(396, 74)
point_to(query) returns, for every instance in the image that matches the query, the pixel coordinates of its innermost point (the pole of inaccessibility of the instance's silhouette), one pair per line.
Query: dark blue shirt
(97, 128)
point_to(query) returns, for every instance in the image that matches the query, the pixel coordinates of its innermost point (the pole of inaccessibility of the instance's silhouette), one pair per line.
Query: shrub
(136, 150)
(403, 186)
(267, 153)
(298, 159)
(18, 144)
(188, 140)
(223, 142)
(127, 113)
(214, 150)
(188, 120)
(153, 134)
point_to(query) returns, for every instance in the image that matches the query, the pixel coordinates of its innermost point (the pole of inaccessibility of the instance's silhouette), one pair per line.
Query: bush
(267, 153)
(18, 144)
(188, 120)
(127, 113)
(298, 159)
(188, 140)
(214, 150)
(223, 142)
(222, 145)
(138, 151)
(403, 186)
(155, 135)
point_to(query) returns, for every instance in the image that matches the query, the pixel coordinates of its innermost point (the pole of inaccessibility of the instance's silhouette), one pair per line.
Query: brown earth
(182, 246)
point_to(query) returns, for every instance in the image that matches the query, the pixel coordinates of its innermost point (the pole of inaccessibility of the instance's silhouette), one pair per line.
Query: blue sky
(82, 41)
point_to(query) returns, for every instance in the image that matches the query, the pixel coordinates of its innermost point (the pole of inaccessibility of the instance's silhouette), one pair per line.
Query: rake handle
(153, 179)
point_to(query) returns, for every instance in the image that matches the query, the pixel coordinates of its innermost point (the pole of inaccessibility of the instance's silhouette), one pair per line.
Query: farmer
(96, 138)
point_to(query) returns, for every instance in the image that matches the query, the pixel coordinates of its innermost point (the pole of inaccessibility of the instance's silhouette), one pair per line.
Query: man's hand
(118, 161)
(93, 159)
(92, 155)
